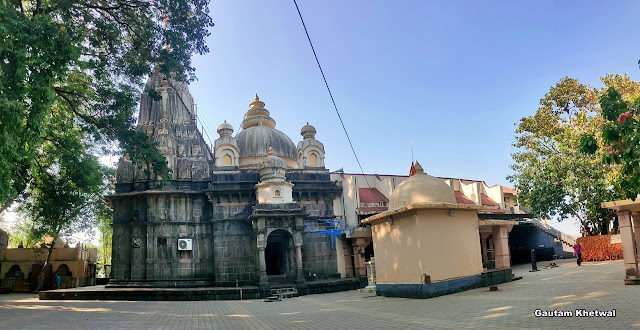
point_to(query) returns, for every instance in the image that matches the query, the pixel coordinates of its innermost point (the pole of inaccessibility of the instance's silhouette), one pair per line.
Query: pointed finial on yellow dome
(419, 168)
(257, 98)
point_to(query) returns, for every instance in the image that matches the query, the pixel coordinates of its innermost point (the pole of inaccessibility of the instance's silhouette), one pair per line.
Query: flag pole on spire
(411, 150)
(412, 170)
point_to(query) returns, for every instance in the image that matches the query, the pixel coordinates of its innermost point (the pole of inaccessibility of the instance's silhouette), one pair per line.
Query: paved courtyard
(595, 285)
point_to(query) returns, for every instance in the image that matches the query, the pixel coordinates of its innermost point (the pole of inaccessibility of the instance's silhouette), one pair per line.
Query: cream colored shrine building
(366, 195)
(428, 242)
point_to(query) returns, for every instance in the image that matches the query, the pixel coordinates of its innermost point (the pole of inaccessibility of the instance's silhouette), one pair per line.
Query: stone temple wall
(317, 256)
(235, 253)
(145, 238)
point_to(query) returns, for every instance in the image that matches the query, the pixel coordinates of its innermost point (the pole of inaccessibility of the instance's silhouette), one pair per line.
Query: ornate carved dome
(308, 131)
(257, 115)
(259, 134)
(421, 188)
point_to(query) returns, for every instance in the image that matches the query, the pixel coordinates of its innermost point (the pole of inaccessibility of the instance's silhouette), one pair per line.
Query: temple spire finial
(419, 169)
(257, 98)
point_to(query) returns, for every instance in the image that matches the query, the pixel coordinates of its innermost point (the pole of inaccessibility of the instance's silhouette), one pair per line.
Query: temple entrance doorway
(279, 254)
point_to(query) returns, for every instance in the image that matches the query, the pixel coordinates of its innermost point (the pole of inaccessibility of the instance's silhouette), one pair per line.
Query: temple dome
(308, 131)
(255, 141)
(259, 134)
(225, 129)
(421, 188)
(272, 161)
(272, 168)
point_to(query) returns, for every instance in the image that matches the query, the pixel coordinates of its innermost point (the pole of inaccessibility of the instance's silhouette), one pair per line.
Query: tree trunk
(44, 268)
(6, 205)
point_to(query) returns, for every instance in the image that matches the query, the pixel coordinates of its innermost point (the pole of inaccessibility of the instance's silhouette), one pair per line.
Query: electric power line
(330, 94)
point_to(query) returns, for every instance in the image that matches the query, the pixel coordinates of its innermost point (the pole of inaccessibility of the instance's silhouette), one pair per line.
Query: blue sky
(454, 76)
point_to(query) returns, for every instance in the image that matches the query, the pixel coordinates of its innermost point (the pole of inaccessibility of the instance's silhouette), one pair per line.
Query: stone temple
(239, 215)
(255, 210)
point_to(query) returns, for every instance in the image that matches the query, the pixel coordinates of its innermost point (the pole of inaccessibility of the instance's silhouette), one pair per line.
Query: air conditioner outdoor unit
(185, 244)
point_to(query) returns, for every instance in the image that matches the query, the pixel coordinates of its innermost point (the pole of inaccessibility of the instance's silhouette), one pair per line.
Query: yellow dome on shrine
(421, 188)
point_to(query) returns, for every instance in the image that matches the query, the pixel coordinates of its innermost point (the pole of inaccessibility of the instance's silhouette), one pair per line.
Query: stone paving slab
(595, 285)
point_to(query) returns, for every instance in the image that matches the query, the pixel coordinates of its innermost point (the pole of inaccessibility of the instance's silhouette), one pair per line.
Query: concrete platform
(152, 294)
(189, 294)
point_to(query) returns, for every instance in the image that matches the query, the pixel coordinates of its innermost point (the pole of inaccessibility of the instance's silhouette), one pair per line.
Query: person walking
(577, 252)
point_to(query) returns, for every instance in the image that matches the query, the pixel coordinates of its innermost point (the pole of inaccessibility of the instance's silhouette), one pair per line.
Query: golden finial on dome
(271, 153)
(256, 103)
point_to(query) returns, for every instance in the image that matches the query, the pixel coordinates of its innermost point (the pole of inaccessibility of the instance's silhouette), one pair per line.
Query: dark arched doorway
(368, 252)
(279, 253)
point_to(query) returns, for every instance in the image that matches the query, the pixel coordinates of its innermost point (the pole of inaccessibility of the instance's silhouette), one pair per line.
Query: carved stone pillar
(501, 247)
(263, 265)
(262, 268)
(483, 247)
(297, 240)
(299, 274)
(628, 249)
(359, 264)
(292, 260)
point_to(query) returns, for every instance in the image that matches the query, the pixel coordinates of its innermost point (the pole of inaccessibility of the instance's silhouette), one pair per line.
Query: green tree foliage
(556, 179)
(21, 232)
(620, 105)
(67, 182)
(90, 58)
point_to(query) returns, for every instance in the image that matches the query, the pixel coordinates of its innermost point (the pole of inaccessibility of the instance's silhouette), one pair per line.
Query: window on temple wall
(276, 193)
(313, 160)
(226, 160)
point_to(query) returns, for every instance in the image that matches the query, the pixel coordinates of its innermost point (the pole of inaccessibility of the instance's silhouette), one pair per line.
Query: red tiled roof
(487, 201)
(371, 209)
(508, 190)
(461, 198)
(372, 195)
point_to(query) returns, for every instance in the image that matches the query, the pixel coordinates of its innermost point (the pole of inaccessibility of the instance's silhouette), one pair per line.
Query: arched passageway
(279, 254)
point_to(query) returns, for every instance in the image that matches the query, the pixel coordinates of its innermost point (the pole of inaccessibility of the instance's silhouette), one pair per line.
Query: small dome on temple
(308, 131)
(225, 129)
(421, 188)
(272, 168)
(272, 161)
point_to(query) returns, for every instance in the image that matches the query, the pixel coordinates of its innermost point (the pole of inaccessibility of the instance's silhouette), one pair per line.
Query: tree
(554, 178)
(89, 58)
(71, 74)
(620, 105)
(67, 182)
